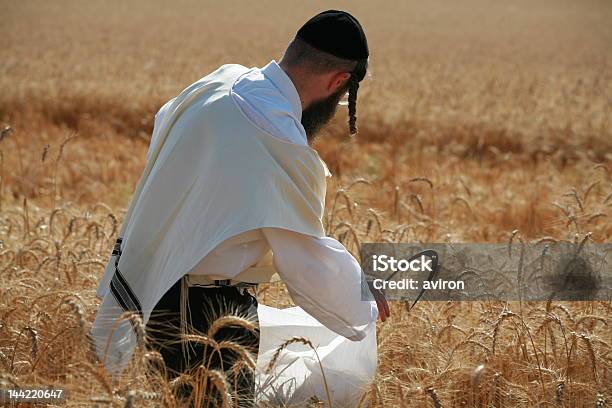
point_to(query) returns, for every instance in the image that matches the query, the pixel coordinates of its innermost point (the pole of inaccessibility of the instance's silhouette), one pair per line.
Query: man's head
(327, 58)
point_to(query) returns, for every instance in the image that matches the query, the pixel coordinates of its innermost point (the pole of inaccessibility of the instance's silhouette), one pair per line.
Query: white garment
(349, 367)
(210, 175)
(319, 273)
(268, 97)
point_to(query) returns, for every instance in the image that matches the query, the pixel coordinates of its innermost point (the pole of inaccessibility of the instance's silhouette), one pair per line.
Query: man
(233, 195)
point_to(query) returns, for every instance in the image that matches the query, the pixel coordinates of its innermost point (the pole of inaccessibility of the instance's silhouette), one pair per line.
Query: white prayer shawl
(210, 174)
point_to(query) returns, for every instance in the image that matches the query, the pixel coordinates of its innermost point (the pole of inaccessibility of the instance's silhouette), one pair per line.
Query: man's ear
(336, 80)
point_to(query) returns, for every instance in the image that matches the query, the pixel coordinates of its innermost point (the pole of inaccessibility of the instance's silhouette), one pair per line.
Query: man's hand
(381, 302)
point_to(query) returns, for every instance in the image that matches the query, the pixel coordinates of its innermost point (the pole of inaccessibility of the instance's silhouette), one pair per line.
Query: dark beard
(320, 112)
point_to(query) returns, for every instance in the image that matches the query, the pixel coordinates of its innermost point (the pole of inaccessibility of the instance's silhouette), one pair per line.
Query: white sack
(349, 366)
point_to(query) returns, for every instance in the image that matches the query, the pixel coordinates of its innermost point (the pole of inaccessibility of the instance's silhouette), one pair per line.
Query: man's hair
(300, 53)
(305, 55)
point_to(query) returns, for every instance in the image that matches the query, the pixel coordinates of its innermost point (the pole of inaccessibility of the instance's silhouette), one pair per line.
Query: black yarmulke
(336, 32)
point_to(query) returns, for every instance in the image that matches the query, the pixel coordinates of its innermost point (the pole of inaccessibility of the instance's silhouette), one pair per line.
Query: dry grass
(478, 120)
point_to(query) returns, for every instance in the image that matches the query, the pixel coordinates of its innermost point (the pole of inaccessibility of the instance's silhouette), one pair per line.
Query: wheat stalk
(305, 341)
(231, 321)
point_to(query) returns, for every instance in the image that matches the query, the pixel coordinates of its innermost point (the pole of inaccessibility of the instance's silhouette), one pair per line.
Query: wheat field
(479, 121)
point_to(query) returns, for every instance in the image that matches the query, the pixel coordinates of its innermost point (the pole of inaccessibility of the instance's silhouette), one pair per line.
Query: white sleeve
(324, 279)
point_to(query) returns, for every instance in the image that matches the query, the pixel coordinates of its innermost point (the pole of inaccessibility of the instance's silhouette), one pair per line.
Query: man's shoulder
(266, 106)
(229, 69)
(223, 74)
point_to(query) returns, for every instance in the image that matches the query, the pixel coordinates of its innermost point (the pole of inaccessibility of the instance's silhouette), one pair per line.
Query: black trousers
(205, 306)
